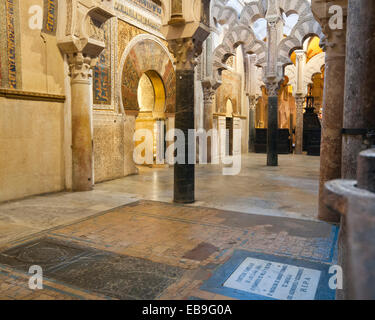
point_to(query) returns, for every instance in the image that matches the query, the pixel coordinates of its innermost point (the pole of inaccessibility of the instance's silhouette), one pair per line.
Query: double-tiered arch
(134, 65)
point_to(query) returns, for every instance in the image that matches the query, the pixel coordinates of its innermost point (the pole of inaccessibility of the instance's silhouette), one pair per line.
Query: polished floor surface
(290, 190)
(111, 243)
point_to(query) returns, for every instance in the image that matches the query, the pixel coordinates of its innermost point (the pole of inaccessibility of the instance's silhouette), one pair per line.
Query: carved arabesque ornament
(273, 88)
(185, 53)
(300, 100)
(80, 67)
(208, 95)
(81, 30)
(253, 101)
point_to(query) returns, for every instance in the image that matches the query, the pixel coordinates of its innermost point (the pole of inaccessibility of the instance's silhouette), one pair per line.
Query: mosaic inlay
(102, 81)
(50, 16)
(11, 43)
(112, 275)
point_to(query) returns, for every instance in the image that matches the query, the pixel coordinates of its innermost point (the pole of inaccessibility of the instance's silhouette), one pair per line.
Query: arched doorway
(147, 87)
(151, 100)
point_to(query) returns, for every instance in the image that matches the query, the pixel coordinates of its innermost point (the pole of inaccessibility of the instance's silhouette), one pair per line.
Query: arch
(253, 11)
(233, 103)
(304, 29)
(229, 108)
(133, 65)
(291, 73)
(223, 14)
(154, 101)
(236, 36)
(300, 7)
(314, 66)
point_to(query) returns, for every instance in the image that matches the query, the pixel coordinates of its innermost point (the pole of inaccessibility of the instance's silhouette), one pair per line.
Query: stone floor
(126, 237)
(290, 190)
(155, 250)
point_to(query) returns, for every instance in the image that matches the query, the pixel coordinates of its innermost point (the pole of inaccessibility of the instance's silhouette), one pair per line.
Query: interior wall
(32, 133)
(31, 144)
(109, 146)
(113, 130)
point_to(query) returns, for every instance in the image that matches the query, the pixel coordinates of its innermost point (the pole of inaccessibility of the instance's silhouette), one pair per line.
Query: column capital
(273, 88)
(185, 52)
(253, 101)
(80, 67)
(300, 54)
(300, 100)
(208, 95)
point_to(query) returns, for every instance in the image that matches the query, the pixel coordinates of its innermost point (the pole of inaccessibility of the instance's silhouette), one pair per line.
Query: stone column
(209, 103)
(273, 77)
(359, 109)
(82, 41)
(300, 100)
(184, 173)
(333, 106)
(273, 125)
(253, 100)
(82, 139)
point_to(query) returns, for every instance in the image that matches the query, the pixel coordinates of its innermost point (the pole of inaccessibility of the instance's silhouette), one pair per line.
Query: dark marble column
(272, 132)
(252, 115)
(359, 112)
(184, 174)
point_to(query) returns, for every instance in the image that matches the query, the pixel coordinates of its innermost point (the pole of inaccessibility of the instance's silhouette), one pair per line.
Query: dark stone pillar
(184, 174)
(359, 112)
(252, 117)
(273, 127)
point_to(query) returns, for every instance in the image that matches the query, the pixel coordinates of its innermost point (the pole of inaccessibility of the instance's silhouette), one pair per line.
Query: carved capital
(300, 55)
(334, 42)
(253, 101)
(80, 67)
(300, 100)
(208, 95)
(185, 52)
(273, 88)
